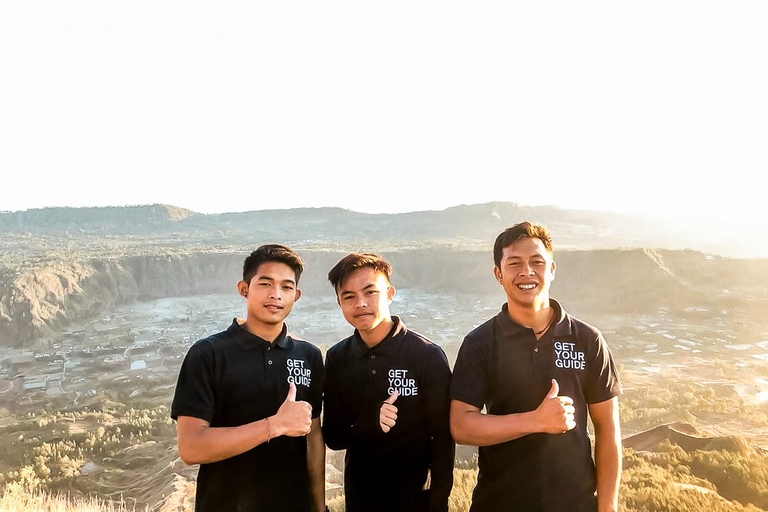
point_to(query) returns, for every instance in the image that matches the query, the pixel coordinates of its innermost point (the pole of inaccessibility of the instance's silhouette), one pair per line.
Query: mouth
(273, 307)
(527, 286)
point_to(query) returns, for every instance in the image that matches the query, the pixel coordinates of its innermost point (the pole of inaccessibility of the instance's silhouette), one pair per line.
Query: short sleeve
(194, 394)
(469, 383)
(603, 380)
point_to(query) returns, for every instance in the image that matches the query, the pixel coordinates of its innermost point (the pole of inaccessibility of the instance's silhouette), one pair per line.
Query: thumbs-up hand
(388, 413)
(293, 418)
(555, 413)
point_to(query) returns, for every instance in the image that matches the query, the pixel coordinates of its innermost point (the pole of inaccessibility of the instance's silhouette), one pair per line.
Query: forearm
(335, 433)
(316, 466)
(471, 427)
(608, 464)
(441, 467)
(342, 430)
(605, 418)
(200, 443)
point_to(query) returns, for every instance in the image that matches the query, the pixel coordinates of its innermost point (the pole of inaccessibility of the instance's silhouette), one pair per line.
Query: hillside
(35, 302)
(61, 264)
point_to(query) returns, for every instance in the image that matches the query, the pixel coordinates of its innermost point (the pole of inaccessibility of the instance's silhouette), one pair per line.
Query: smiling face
(270, 296)
(364, 297)
(526, 272)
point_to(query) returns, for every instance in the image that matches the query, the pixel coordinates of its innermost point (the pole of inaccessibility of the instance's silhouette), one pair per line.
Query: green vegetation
(731, 479)
(45, 452)
(675, 481)
(671, 400)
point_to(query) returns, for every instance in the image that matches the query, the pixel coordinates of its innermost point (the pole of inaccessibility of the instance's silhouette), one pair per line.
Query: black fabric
(502, 367)
(387, 471)
(233, 378)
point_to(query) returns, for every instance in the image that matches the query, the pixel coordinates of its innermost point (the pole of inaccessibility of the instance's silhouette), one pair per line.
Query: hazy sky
(636, 107)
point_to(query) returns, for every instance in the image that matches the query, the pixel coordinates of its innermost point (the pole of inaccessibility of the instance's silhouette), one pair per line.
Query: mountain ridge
(462, 224)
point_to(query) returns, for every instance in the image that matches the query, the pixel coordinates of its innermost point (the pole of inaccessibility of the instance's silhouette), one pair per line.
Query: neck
(376, 335)
(268, 332)
(536, 317)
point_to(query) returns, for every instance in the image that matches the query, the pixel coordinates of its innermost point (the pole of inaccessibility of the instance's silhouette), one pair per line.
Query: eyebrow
(366, 287)
(272, 279)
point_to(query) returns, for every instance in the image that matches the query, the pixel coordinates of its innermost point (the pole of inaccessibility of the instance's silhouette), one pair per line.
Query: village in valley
(140, 346)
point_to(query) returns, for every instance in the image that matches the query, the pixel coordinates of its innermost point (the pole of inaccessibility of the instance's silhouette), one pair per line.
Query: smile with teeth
(528, 286)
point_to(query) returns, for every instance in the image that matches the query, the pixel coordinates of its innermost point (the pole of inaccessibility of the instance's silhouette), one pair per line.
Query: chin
(361, 327)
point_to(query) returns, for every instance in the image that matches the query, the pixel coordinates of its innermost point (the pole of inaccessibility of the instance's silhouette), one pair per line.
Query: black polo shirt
(387, 472)
(501, 366)
(233, 378)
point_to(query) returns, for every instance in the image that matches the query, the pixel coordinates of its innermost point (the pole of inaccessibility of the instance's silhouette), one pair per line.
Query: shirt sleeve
(435, 385)
(603, 380)
(194, 395)
(469, 383)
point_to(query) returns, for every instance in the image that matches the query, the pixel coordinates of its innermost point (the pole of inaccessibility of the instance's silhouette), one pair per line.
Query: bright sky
(646, 107)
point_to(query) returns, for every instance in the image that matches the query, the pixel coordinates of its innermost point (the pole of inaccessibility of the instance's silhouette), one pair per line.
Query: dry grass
(17, 500)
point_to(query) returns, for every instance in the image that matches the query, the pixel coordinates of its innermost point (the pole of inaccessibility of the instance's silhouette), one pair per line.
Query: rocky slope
(37, 301)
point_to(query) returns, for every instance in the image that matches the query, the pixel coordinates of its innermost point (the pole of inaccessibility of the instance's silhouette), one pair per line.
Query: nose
(526, 269)
(361, 303)
(275, 293)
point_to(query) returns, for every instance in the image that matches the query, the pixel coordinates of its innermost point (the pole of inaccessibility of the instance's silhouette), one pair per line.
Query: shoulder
(581, 330)
(424, 347)
(421, 342)
(213, 343)
(482, 333)
(338, 349)
(302, 346)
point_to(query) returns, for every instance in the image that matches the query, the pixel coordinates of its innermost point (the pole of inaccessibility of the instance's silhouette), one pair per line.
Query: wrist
(529, 423)
(275, 429)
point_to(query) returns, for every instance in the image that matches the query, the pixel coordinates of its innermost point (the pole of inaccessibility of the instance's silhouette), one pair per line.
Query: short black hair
(272, 252)
(356, 261)
(518, 232)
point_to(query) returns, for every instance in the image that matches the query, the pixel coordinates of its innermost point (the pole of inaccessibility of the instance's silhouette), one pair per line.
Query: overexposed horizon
(638, 109)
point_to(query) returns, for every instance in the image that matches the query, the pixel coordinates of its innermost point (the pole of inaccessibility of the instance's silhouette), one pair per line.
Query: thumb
(392, 397)
(553, 390)
(291, 393)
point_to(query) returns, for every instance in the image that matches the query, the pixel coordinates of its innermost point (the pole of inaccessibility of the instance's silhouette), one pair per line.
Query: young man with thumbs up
(538, 372)
(386, 399)
(248, 401)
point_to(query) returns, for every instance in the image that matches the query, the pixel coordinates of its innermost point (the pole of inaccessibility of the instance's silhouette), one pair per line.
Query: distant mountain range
(462, 226)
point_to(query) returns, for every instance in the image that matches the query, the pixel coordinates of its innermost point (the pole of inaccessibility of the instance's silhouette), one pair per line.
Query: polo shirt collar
(249, 341)
(562, 320)
(385, 346)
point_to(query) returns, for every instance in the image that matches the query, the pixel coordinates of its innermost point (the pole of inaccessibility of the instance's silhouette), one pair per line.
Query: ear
(242, 288)
(497, 273)
(298, 294)
(391, 293)
(552, 269)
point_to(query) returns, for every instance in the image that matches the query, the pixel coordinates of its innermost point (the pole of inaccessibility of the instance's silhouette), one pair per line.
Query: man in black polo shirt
(538, 372)
(386, 399)
(248, 401)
